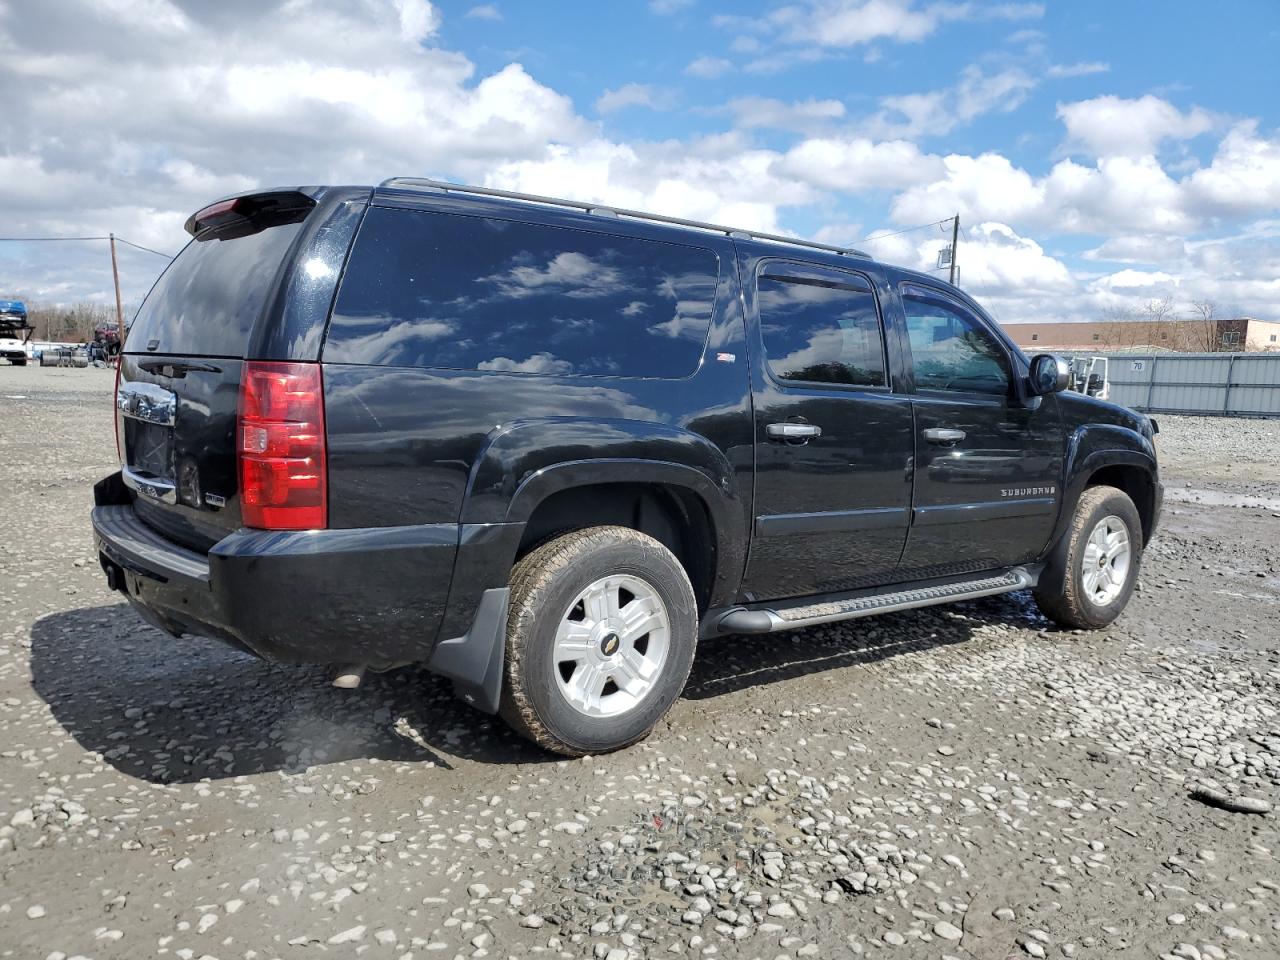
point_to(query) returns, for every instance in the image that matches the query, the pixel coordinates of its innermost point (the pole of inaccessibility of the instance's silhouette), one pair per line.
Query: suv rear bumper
(371, 596)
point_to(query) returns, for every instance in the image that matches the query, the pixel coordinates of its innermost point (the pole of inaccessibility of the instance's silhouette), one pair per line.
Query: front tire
(1091, 573)
(601, 633)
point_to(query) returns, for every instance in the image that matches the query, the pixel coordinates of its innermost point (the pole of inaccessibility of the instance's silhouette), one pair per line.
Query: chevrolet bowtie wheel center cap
(609, 644)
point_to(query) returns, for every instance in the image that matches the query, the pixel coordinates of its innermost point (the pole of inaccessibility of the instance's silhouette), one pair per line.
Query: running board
(763, 620)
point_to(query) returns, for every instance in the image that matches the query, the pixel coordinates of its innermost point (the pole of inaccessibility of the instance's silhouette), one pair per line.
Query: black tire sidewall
(563, 721)
(1117, 505)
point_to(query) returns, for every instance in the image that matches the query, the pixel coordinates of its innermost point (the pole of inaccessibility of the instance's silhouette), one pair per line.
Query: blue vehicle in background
(15, 331)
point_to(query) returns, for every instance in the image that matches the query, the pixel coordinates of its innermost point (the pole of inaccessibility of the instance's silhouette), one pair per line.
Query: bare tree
(1203, 328)
(1161, 327)
(1111, 334)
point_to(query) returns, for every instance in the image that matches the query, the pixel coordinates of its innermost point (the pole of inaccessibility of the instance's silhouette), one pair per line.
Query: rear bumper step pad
(764, 620)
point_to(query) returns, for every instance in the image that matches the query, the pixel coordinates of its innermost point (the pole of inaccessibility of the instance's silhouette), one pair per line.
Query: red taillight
(115, 407)
(281, 441)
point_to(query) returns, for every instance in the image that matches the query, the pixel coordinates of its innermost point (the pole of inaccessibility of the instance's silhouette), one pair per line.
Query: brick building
(1186, 336)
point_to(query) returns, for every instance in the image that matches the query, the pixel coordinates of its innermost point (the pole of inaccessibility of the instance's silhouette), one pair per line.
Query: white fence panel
(1225, 384)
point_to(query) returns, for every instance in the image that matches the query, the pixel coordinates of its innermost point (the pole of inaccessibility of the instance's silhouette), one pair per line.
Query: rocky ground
(963, 782)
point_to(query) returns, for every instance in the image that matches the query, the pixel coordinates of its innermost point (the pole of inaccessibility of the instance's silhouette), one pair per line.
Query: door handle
(793, 432)
(945, 436)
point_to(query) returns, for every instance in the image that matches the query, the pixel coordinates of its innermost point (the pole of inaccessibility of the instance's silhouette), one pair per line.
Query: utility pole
(955, 247)
(119, 306)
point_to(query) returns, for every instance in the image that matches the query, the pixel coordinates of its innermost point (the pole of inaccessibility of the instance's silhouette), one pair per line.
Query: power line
(49, 239)
(39, 239)
(141, 247)
(923, 226)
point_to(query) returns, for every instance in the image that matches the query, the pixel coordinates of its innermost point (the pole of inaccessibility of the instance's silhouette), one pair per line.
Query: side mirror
(1049, 374)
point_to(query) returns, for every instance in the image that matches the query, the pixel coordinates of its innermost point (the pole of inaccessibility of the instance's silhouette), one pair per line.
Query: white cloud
(1243, 177)
(1117, 195)
(709, 67)
(1083, 68)
(127, 123)
(994, 260)
(418, 19)
(1111, 126)
(1149, 281)
(718, 179)
(840, 234)
(485, 11)
(668, 7)
(1143, 249)
(801, 115)
(631, 95)
(938, 112)
(847, 23)
(858, 163)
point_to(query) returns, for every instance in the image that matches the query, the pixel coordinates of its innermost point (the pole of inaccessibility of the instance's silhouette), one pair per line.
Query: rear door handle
(945, 436)
(797, 432)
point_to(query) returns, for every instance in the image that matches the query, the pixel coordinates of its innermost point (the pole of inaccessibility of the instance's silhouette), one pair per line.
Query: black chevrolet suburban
(543, 447)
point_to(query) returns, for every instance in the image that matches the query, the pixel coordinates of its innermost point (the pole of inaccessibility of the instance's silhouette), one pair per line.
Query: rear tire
(1091, 573)
(601, 632)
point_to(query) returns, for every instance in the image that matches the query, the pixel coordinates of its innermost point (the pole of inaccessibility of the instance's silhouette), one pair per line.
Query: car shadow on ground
(727, 664)
(179, 711)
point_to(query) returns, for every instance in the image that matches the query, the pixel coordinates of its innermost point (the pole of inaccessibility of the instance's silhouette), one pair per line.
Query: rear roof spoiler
(250, 212)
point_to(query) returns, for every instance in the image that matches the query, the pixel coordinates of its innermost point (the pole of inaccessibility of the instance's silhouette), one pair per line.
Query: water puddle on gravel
(1215, 498)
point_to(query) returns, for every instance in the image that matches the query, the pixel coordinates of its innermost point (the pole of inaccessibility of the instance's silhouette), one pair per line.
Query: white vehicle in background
(15, 331)
(1089, 376)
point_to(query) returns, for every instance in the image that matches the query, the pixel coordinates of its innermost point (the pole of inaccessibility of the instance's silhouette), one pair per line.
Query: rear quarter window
(450, 291)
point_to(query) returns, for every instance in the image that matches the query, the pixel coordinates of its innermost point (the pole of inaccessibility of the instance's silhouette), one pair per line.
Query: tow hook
(115, 577)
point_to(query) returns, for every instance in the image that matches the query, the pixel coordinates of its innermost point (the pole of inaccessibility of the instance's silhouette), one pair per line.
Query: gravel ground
(962, 782)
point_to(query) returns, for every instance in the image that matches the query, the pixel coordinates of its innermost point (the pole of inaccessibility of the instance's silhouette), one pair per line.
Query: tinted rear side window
(207, 301)
(467, 293)
(820, 332)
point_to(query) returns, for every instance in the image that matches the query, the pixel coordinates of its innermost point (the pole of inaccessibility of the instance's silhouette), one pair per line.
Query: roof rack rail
(599, 209)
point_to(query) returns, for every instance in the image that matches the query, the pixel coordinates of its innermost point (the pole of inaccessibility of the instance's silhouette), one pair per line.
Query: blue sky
(1103, 156)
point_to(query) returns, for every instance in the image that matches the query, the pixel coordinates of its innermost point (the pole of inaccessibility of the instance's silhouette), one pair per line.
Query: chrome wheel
(1107, 556)
(611, 645)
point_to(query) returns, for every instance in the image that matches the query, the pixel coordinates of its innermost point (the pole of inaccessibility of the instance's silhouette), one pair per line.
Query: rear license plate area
(150, 448)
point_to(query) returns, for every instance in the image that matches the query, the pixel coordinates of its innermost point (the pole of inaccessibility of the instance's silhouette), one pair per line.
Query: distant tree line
(1158, 325)
(71, 323)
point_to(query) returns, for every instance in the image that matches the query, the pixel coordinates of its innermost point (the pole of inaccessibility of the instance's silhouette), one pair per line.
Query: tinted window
(821, 332)
(950, 348)
(207, 301)
(466, 293)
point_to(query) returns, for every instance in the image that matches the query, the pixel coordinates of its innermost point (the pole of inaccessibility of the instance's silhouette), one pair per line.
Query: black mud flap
(473, 661)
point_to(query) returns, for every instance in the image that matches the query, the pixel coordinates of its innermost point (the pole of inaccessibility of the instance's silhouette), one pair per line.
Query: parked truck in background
(15, 332)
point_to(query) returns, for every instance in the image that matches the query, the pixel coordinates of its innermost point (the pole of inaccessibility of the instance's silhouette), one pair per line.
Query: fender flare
(527, 461)
(1092, 447)
(727, 524)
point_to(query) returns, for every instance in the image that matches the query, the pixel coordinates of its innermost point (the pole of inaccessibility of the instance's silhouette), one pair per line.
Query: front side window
(442, 290)
(818, 331)
(951, 349)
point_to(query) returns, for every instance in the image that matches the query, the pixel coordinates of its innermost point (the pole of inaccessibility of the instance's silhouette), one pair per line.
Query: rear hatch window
(207, 302)
(178, 396)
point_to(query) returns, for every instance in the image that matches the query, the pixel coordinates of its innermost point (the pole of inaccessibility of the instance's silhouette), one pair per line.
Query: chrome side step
(771, 620)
